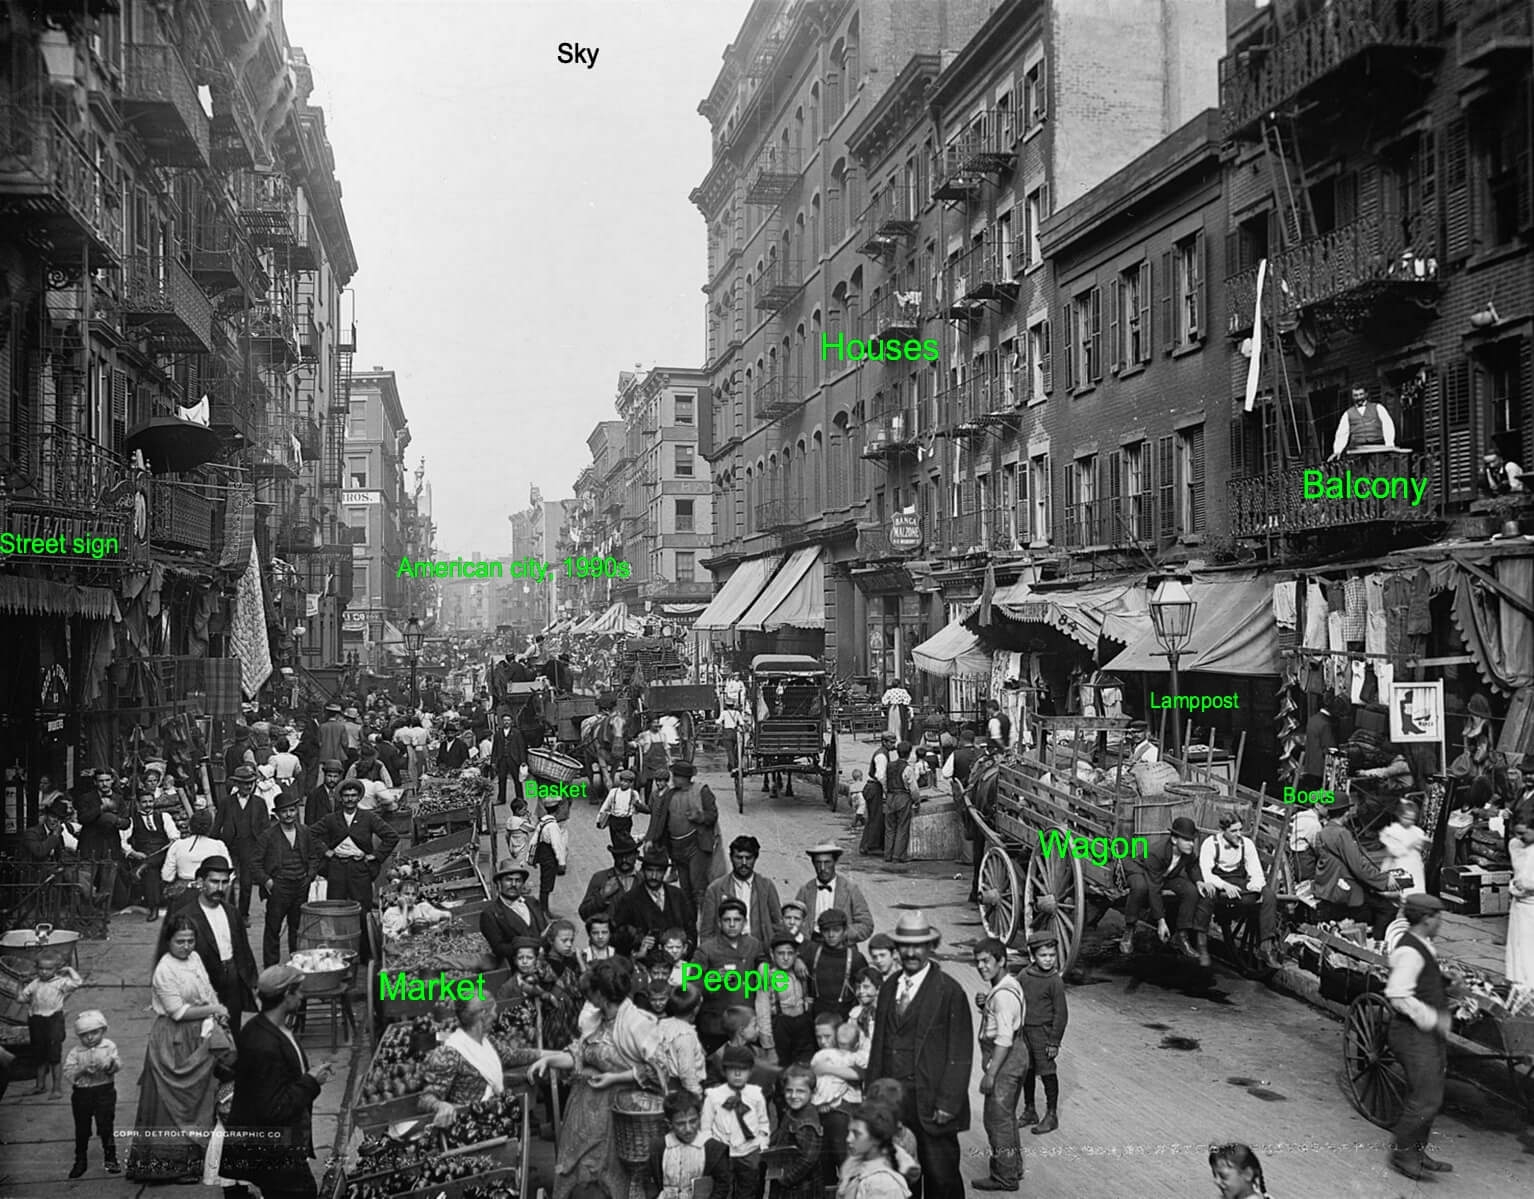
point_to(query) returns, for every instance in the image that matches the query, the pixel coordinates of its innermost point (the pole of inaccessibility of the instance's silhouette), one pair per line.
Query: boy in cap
(786, 1017)
(1004, 1056)
(735, 1114)
(44, 996)
(832, 964)
(1044, 1018)
(793, 921)
(91, 1068)
(551, 850)
(616, 814)
(1419, 1034)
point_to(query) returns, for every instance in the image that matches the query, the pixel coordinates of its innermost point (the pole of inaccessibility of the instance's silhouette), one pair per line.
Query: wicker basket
(554, 767)
(638, 1123)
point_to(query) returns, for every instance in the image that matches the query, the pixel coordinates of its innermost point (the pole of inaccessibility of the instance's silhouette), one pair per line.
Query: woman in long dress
(1520, 916)
(177, 1090)
(468, 1067)
(614, 1058)
(897, 705)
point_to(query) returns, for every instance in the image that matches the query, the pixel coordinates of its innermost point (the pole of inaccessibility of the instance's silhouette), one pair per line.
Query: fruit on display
(319, 961)
(501, 1189)
(476, 1123)
(448, 794)
(446, 949)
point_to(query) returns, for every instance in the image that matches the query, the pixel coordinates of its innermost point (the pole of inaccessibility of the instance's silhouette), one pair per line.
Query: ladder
(1297, 220)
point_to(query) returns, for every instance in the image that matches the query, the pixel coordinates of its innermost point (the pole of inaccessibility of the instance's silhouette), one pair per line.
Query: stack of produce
(447, 948)
(430, 1169)
(449, 794)
(399, 1062)
(488, 1120)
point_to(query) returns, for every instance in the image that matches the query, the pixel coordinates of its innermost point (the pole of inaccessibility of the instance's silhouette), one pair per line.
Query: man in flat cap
(355, 845)
(829, 890)
(288, 862)
(513, 915)
(241, 823)
(270, 1123)
(1419, 1034)
(764, 915)
(685, 823)
(222, 942)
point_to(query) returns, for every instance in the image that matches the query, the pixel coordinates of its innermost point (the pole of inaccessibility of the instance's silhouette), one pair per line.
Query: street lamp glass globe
(1172, 611)
(414, 635)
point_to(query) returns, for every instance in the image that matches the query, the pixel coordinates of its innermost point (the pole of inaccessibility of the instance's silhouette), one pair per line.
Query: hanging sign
(1416, 712)
(905, 531)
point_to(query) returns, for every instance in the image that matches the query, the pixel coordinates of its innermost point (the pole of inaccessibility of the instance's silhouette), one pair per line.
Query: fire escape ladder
(1291, 192)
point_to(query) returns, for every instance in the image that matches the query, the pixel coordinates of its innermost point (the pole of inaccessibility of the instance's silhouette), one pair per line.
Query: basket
(638, 1123)
(323, 982)
(554, 767)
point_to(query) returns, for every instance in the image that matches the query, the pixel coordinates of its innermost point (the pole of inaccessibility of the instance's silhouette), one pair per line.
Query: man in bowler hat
(685, 823)
(288, 862)
(1171, 865)
(222, 942)
(610, 885)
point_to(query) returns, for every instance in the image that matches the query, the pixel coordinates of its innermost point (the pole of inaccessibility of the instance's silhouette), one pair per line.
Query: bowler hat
(278, 980)
(216, 862)
(58, 809)
(511, 868)
(824, 847)
(683, 770)
(288, 799)
(1341, 802)
(623, 847)
(912, 929)
(655, 855)
(245, 774)
(1184, 827)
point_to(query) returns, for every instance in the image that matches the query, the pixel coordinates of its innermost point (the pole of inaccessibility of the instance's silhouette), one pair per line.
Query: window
(357, 472)
(1190, 481)
(684, 461)
(1005, 265)
(686, 569)
(1081, 502)
(1501, 180)
(1129, 338)
(1038, 489)
(1035, 209)
(1006, 506)
(1040, 375)
(357, 420)
(1084, 339)
(684, 516)
(683, 412)
(1035, 97)
(1137, 491)
(1183, 305)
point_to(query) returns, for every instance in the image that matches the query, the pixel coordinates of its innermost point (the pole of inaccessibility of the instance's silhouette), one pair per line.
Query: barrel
(331, 922)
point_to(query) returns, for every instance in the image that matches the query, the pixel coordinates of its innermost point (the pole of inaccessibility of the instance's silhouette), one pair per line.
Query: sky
(522, 227)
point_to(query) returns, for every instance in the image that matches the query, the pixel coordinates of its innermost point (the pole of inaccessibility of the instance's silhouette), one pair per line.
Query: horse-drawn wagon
(791, 731)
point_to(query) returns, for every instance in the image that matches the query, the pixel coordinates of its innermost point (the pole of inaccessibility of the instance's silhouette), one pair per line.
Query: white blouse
(179, 985)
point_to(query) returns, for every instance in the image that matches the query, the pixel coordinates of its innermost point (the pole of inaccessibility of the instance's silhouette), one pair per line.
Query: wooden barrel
(332, 922)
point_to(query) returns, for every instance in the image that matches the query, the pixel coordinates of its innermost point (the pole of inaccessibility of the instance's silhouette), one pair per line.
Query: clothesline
(1450, 660)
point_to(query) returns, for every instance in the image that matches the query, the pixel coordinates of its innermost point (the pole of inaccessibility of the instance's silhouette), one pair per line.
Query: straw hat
(912, 929)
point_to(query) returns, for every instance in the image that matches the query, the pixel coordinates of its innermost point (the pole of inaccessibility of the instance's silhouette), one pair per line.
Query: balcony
(269, 210)
(896, 314)
(781, 280)
(160, 101)
(299, 530)
(972, 533)
(224, 261)
(982, 275)
(58, 472)
(889, 438)
(1275, 503)
(160, 297)
(308, 341)
(775, 397)
(1373, 46)
(1495, 35)
(986, 148)
(273, 333)
(890, 219)
(774, 175)
(236, 136)
(182, 517)
(50, 184)
(777, 514)
(1339, 275)
(306, 253)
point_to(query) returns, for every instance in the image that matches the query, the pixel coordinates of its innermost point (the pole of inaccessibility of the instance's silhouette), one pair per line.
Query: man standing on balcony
(1364, 427)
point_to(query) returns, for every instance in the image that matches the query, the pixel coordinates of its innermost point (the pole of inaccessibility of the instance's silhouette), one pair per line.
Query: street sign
(905, 531)
(362, 497)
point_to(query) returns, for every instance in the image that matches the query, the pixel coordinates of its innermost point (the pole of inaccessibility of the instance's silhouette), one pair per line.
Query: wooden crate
(439, 845)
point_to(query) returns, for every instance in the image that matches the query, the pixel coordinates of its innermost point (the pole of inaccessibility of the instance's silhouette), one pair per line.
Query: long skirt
(587, 1148)
(176, 1099)
(1520, 942)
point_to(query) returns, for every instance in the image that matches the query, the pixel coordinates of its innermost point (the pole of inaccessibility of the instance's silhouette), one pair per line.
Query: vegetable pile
(446, 949)
(476, 1123)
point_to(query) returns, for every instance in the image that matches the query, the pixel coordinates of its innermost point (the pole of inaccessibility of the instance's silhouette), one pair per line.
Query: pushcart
(793, 731)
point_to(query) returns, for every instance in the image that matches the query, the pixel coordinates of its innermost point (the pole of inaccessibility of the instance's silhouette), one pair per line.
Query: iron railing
(42, 161)
(774, 175)
(894, 314)
(236, 135)
(1275, 502)
(781, 280)
(780, 513)
(777, 396)
(61, 471)
(160, 295)
(183, 517)
(268, 208)
(223, 258)
(160, 98)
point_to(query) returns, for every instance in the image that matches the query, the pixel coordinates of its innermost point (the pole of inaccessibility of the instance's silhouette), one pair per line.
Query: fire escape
(1332, 269)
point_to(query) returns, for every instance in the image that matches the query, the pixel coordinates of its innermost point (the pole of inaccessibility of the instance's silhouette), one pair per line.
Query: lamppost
(1172, 611)
(414, 636)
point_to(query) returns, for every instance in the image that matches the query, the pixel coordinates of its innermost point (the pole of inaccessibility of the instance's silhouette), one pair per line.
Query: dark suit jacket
(244, 963)
(273, 1094)
(320, 804)
(41, 845)
(500, 926)
(708, 831)
(453, 756)
(766, 912)
(937, 1027)
(274, 846)
(508, 751)
(368, 832)
(593, 903)
(240, 830)
(1158, 869)
(99, 836)
(637, 910)
(860, 920)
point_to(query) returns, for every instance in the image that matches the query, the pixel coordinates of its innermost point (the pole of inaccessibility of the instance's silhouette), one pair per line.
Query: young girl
(870, 1171)
(890, 1092)
(678, 1050)
(855, 799)
(563, 999)
(616, 814)
(1404, 842)
(1237, 1172)
(559, 952)
(91, 1068)
(682, 1158)
(519, 831)
(837, 1082)
(599, 935)
(867, 983)
(799, 1130)
(44, 997)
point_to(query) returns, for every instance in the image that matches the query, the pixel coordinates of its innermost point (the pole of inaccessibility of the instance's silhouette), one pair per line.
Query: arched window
(817, 331)
(751, 290)
(800, 486)
(750, 501)
(837, 216)
(801, 372)
(837, 476)
(800, 145)
(814, 255)
(814, 114)
(772, 486)
(817, 472)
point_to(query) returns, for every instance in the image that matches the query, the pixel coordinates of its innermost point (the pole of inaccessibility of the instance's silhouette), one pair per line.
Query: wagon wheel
(1058, 880)
(1001, 895)
(740, 771)
(1372, 1078)
(828, 772)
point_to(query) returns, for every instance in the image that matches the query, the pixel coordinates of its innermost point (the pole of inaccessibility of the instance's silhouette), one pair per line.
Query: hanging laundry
(1353, 615)
(1285, 603)
(1315, 617)
(1419, 618)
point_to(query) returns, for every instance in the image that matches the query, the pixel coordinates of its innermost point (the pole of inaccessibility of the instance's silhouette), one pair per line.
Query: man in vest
(1364, 427)
(288, 861)
(872, 841)
(325, 798)
(148, 839)
(1419, 1035)
(1233, 878)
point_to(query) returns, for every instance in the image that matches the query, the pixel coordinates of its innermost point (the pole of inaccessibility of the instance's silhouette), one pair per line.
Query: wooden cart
(793, 731)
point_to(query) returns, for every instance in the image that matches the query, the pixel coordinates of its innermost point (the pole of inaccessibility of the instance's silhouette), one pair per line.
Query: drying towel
(1353, 615)
(1315, 617)
(1285, 604)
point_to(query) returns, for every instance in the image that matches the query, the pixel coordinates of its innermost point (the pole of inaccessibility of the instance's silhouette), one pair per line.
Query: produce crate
(439, 845)
(455, 1189)
(440, 825)
(376, 1117)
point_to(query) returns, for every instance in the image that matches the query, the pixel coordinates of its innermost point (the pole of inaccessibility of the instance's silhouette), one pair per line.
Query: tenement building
(173, 361)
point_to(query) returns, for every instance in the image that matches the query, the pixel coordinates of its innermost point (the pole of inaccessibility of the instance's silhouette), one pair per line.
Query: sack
(318, 889)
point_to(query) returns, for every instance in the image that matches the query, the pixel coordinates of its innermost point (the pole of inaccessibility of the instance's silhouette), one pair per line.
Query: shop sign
(1033, 611)
(362, 497)
(905, 531)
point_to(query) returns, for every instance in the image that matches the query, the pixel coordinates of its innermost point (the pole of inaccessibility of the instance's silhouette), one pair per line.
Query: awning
(796, 597)
(24, 596)
(1233, 632)
(954, 652)
(1084, 614)
(738, 592)
(616, 622)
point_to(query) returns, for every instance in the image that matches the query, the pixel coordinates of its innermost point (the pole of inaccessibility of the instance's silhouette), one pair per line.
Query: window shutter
(1067, 312)
(1456, 182)
(1023, 370)
(1145, 311)
(1116, 357)
(1196, 482)
(1113, 511)
(1196, 286)
(1095, 302)
(1049, 494)
(1046, 361)
(1235, 261)
(1043, 202)
(1459, 435)
(1043, 91)
(1166, 480)
(1168, 287)
(1522, 154)
(1238, 447)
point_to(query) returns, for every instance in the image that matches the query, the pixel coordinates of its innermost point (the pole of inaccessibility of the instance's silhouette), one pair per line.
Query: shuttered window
(1456, 183)
(1458, 439)
(1191, 480)
(1166, 484)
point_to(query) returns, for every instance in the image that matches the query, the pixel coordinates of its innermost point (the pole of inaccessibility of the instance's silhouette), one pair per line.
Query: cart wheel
(1054, 897)
(828, 773)
(1001, 895)
(1372, 1078)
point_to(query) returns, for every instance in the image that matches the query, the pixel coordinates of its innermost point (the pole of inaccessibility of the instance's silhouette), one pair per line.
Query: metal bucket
(333, 922)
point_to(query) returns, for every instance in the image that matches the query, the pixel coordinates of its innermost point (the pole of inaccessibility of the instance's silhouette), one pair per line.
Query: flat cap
(738, 1057)
(278, 980)
(352, 786)
(1419, 904)
(525, 943)
(732, 905)
(795, 905)
(683, 770)
(832, 918)
(1043, 937)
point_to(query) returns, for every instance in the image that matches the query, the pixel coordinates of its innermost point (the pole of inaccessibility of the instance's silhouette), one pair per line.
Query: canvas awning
(614, 622)
(953, 652)
(738, 592)
(796, 597)
(1084, 614)
(1233, 632)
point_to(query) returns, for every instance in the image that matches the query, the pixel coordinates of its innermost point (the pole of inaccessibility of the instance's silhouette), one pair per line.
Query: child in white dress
(1404, 842)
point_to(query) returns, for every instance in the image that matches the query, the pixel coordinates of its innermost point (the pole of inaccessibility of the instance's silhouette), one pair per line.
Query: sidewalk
(38, 1131)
